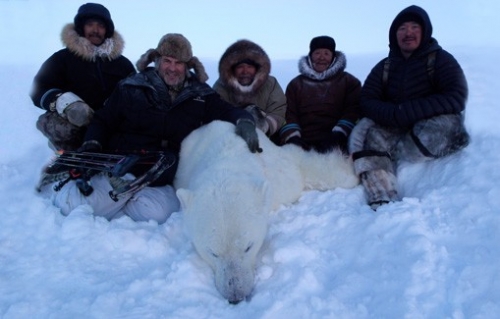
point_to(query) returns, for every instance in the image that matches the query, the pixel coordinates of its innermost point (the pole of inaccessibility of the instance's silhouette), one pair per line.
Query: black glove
(299, 142)
(335, 140)
(246, 129)
(90, 146)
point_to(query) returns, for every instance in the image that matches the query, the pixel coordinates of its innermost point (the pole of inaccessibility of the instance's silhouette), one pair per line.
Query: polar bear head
(227, 223)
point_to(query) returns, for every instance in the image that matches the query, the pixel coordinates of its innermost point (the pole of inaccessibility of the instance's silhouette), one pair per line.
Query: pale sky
(30, 29)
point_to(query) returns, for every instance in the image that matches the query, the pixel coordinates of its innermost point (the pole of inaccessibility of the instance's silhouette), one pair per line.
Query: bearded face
(94, 30)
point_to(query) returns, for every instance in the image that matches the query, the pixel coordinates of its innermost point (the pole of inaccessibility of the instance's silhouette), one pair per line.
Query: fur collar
(338, 65)
(111, 49)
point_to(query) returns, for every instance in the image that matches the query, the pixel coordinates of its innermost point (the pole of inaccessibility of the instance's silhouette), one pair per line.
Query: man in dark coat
(412, 103)
(154, 110)
(323, 101)
(75, 81)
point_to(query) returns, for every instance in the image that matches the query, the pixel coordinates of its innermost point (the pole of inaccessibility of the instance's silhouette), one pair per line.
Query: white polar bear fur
(227, 193)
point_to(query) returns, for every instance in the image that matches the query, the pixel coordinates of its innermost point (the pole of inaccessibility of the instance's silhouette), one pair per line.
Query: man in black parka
(413, 105)
(75, 81)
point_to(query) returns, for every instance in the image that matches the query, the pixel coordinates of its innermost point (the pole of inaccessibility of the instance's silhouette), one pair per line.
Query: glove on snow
(246, 129)
(72, 107)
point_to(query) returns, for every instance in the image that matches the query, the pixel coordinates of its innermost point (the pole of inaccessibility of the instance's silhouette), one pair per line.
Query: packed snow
(435, 254)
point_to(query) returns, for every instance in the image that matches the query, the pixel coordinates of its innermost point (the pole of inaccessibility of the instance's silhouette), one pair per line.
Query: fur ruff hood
(237, 52)
(194, 63)
(111, 49)
(338, 65)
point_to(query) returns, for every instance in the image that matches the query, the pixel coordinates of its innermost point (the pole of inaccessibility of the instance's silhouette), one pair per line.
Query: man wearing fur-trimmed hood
(245, 81)
(75, 81)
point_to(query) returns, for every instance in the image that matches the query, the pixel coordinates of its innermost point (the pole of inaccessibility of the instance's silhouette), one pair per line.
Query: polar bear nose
(237, 295)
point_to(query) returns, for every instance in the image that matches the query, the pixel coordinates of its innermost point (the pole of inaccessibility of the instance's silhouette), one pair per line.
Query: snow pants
(149, 203)
(376, 151)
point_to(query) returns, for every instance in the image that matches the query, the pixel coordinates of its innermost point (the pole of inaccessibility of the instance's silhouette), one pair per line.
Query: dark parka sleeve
(93, 81)
(131, 120)
(49, 81)
(411, 93)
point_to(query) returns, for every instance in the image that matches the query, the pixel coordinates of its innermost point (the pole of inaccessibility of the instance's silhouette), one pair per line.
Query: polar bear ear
(184, 196)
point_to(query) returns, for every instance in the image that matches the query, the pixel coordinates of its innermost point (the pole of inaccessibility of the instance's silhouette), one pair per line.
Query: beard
(174, 79)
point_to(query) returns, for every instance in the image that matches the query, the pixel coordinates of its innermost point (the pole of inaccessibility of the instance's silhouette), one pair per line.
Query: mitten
(92, 146)
(246, 129)
(337, 139)
(299, 142)
(259, 117)
(72, 107)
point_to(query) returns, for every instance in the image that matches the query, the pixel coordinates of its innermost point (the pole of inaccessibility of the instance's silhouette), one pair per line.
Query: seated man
(75, 81)
(244, 81)
(323, 100)
(412, 103)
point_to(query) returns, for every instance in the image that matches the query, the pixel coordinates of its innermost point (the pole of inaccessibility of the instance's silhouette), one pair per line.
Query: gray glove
(71, 107)
(246, 129)
(259, 117)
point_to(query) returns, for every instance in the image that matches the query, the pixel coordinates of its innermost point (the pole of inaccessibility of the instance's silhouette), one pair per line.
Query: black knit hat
(94, 11)
(322, 42)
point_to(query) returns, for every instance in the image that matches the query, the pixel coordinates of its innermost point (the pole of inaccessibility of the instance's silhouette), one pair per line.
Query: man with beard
(412, 103)
(245, 82)
(75, 81)
(153, 110)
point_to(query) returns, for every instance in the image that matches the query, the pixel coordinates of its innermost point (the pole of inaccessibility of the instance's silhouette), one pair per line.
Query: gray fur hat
(177, 46)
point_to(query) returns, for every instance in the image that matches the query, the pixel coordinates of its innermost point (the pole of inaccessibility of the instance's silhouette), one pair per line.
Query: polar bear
(227, 193)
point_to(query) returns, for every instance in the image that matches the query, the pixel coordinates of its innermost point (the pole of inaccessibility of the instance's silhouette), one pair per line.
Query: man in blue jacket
(412, 104)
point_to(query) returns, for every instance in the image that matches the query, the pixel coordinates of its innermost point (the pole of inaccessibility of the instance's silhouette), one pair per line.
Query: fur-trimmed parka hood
(239, 51)
(111, 49)
(338, 65)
